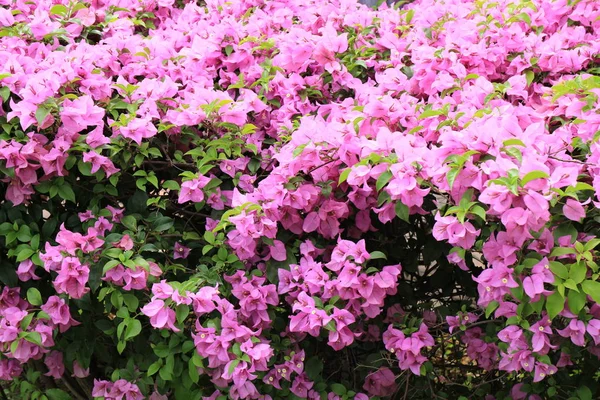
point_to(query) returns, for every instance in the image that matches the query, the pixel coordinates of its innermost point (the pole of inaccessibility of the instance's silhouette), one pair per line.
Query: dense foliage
(299, 199)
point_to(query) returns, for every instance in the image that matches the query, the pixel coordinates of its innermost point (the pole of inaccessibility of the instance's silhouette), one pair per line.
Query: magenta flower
(101, 388)
(573, 210)
(160, 315)
(180, 251)
(26, 271)
(79, 372)
(54, 362)
(381, 383)
(593, 328)
(58, 310)
(541, 332)
(542, 371)
(122, 389)
(135, 279)
(575, 331)
(192, 190)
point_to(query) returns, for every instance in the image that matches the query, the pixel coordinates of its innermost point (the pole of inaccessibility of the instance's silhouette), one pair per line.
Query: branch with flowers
(285, 200)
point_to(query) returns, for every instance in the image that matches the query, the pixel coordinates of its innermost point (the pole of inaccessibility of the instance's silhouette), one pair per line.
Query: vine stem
(74, 392)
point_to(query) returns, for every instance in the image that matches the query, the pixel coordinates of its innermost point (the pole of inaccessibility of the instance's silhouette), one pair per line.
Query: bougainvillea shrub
(299, 200)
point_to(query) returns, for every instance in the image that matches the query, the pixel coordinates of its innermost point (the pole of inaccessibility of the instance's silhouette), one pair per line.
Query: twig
(569, 161)
(319, 166)
(74, 392)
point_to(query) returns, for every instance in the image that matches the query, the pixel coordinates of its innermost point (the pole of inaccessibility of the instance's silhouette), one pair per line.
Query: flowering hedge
(299, 199)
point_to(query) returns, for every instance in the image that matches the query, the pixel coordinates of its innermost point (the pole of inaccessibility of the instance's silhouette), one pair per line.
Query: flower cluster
(278, 199)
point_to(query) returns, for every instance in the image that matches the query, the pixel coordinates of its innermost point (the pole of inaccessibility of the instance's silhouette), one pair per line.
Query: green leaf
(402, 211)
(559, 269)
(163, 224)
(514, 152)
(313, 368)
(58, 9)
(565, 230)
(525, 18)
(344, 175)
(554, 304)
(430, 113)
(578, 272)
(4, 94)
(66, 192)
(24, 254)
(41, 113)
(584, 393)
(84, 168)
(383, 180)
(34, 297)
(209, 236)
(35, 241)
(110, 265)
(338, 389)
(131, 301)
(533, 175)
(590, 245)
(154, 367)
(529, 76)
(491, 307)
(232, 366)
(129, 222)
(187, 346)
(25, 322)
(153, 180)
(33, 337)
(451, 176)
(193, 372)
(57, 394)
(197, 360)
(134, 327)
(479, 211)
(236, 350)
(592, 288)
(162, 350)
(171, 185)
(182, 311)
(570, 283)
(513, 142)
(377, 255)
(561, 251)
(576, 301)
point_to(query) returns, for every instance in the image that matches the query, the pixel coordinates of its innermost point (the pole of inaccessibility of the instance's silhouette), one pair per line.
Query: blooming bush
(299, 199)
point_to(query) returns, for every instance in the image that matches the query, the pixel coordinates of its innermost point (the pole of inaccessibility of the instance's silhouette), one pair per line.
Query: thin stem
(74, 392)
(406, 387)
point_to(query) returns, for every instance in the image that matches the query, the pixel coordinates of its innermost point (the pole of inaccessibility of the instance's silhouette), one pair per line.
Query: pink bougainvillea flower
(573, 210)
(180, 251)
(192, 190)
(26, 271)
(79, 372)
(54, 362)
(161, 316)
